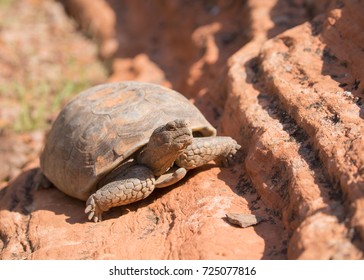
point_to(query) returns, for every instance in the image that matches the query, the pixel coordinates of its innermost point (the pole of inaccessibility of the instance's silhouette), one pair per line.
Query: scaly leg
(136, 184)
(205, 149)
(41, 181)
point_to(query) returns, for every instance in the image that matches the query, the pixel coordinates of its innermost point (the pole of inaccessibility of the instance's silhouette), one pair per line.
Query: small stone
(243, 220)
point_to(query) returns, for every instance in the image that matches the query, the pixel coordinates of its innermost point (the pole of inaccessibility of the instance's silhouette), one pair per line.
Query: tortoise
(114, 143)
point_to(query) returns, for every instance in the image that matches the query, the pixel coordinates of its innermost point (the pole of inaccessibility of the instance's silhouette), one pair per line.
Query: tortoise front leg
(136, 184)
(205, 149)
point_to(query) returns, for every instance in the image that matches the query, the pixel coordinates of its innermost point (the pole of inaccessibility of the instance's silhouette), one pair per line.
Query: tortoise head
(166, 143)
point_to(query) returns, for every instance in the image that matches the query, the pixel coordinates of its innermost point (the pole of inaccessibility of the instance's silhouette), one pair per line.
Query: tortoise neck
(158, 159)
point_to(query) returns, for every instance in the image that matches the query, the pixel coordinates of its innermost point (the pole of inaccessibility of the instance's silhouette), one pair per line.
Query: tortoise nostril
(180, 123)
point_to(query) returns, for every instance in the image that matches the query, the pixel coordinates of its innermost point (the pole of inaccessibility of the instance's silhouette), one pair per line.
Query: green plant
(38, 102)
(5, 3)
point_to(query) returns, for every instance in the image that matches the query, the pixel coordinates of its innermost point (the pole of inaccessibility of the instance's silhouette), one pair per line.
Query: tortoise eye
(171, 127)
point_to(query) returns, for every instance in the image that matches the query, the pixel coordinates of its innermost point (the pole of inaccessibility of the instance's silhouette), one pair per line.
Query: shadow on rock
(340, 60)
(21, 196)
(271, 229)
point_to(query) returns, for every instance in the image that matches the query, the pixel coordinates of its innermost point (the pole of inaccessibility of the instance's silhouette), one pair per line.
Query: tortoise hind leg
(41, 181)
(136, 184)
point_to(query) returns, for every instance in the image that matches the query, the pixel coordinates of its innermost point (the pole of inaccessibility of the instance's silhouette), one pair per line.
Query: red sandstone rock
(296, 107)
(97, 19)
(185, 222)
(291, 96)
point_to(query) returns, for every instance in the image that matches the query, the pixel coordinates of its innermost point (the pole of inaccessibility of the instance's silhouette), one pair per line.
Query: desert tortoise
(114, 143)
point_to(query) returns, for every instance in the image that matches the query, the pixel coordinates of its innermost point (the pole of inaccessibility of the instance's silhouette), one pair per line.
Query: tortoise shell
(105, 125)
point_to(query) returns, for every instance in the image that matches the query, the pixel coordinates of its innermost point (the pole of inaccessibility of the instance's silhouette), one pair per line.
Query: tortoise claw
(230, 158)
(93, 210)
